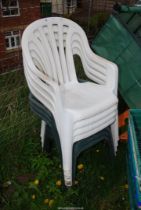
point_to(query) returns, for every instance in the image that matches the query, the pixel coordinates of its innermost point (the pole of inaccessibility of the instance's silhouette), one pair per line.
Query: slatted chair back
(52, 42)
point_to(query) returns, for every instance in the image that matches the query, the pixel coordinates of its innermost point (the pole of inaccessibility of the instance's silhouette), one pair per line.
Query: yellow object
(36, 181)
(58, 183)
(75, 182)
(7, 184)
(97, 150)
(80, 166)
(51, 202)
(33, 197)
(126, 186)
(102, 178)
(46, 201)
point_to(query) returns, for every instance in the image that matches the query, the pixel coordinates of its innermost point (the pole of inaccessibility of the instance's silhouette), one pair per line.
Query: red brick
(29, 11)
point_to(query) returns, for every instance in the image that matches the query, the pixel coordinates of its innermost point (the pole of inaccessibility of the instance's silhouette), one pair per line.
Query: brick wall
(29, 11)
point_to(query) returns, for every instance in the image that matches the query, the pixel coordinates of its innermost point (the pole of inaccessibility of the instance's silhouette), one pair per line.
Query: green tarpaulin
(127, 9)
(118, 43)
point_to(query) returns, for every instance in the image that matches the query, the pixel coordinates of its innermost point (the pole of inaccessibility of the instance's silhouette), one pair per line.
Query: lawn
(32, 180)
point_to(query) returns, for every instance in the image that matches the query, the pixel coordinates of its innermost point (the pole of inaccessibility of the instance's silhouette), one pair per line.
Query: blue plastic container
(134, 158)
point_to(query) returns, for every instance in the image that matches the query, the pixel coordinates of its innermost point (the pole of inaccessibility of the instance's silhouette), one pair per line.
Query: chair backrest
(50, 43)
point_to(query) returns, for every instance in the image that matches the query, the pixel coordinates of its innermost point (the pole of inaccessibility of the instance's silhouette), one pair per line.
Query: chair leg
(42, 133)
(109, 139)
(66, 147)
(66, 141)
(115, 133)
(45, 137)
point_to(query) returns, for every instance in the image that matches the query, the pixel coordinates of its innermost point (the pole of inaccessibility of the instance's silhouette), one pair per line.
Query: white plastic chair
(79, 109)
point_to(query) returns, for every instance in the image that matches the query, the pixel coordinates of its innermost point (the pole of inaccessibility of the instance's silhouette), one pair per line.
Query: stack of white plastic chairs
(79, 109)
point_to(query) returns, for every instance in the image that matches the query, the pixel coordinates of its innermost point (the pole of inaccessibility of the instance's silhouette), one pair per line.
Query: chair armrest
(112, 76)
(55, 89)
(98, 69)
(101, 70)
(42, 87)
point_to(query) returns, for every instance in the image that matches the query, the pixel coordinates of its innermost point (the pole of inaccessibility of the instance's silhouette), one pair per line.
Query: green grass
(101, 184)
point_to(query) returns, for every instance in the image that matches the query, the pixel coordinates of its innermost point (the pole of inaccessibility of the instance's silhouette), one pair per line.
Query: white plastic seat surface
(86, 98)
(79, 109)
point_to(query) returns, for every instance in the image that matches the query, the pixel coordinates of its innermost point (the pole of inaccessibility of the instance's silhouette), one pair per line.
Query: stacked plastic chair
(78, 110)
(134, 158)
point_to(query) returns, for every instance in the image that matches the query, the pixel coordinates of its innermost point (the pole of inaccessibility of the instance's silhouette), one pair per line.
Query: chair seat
(87, 99)
(93, 107)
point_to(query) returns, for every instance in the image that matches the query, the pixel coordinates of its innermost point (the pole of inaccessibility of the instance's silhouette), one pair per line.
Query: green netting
(116, 43)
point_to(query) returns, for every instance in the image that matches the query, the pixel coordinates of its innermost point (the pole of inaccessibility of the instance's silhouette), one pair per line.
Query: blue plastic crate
(134, 157)
(131, 189)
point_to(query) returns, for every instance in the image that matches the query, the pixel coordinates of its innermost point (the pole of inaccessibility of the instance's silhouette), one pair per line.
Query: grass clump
(31, 179)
